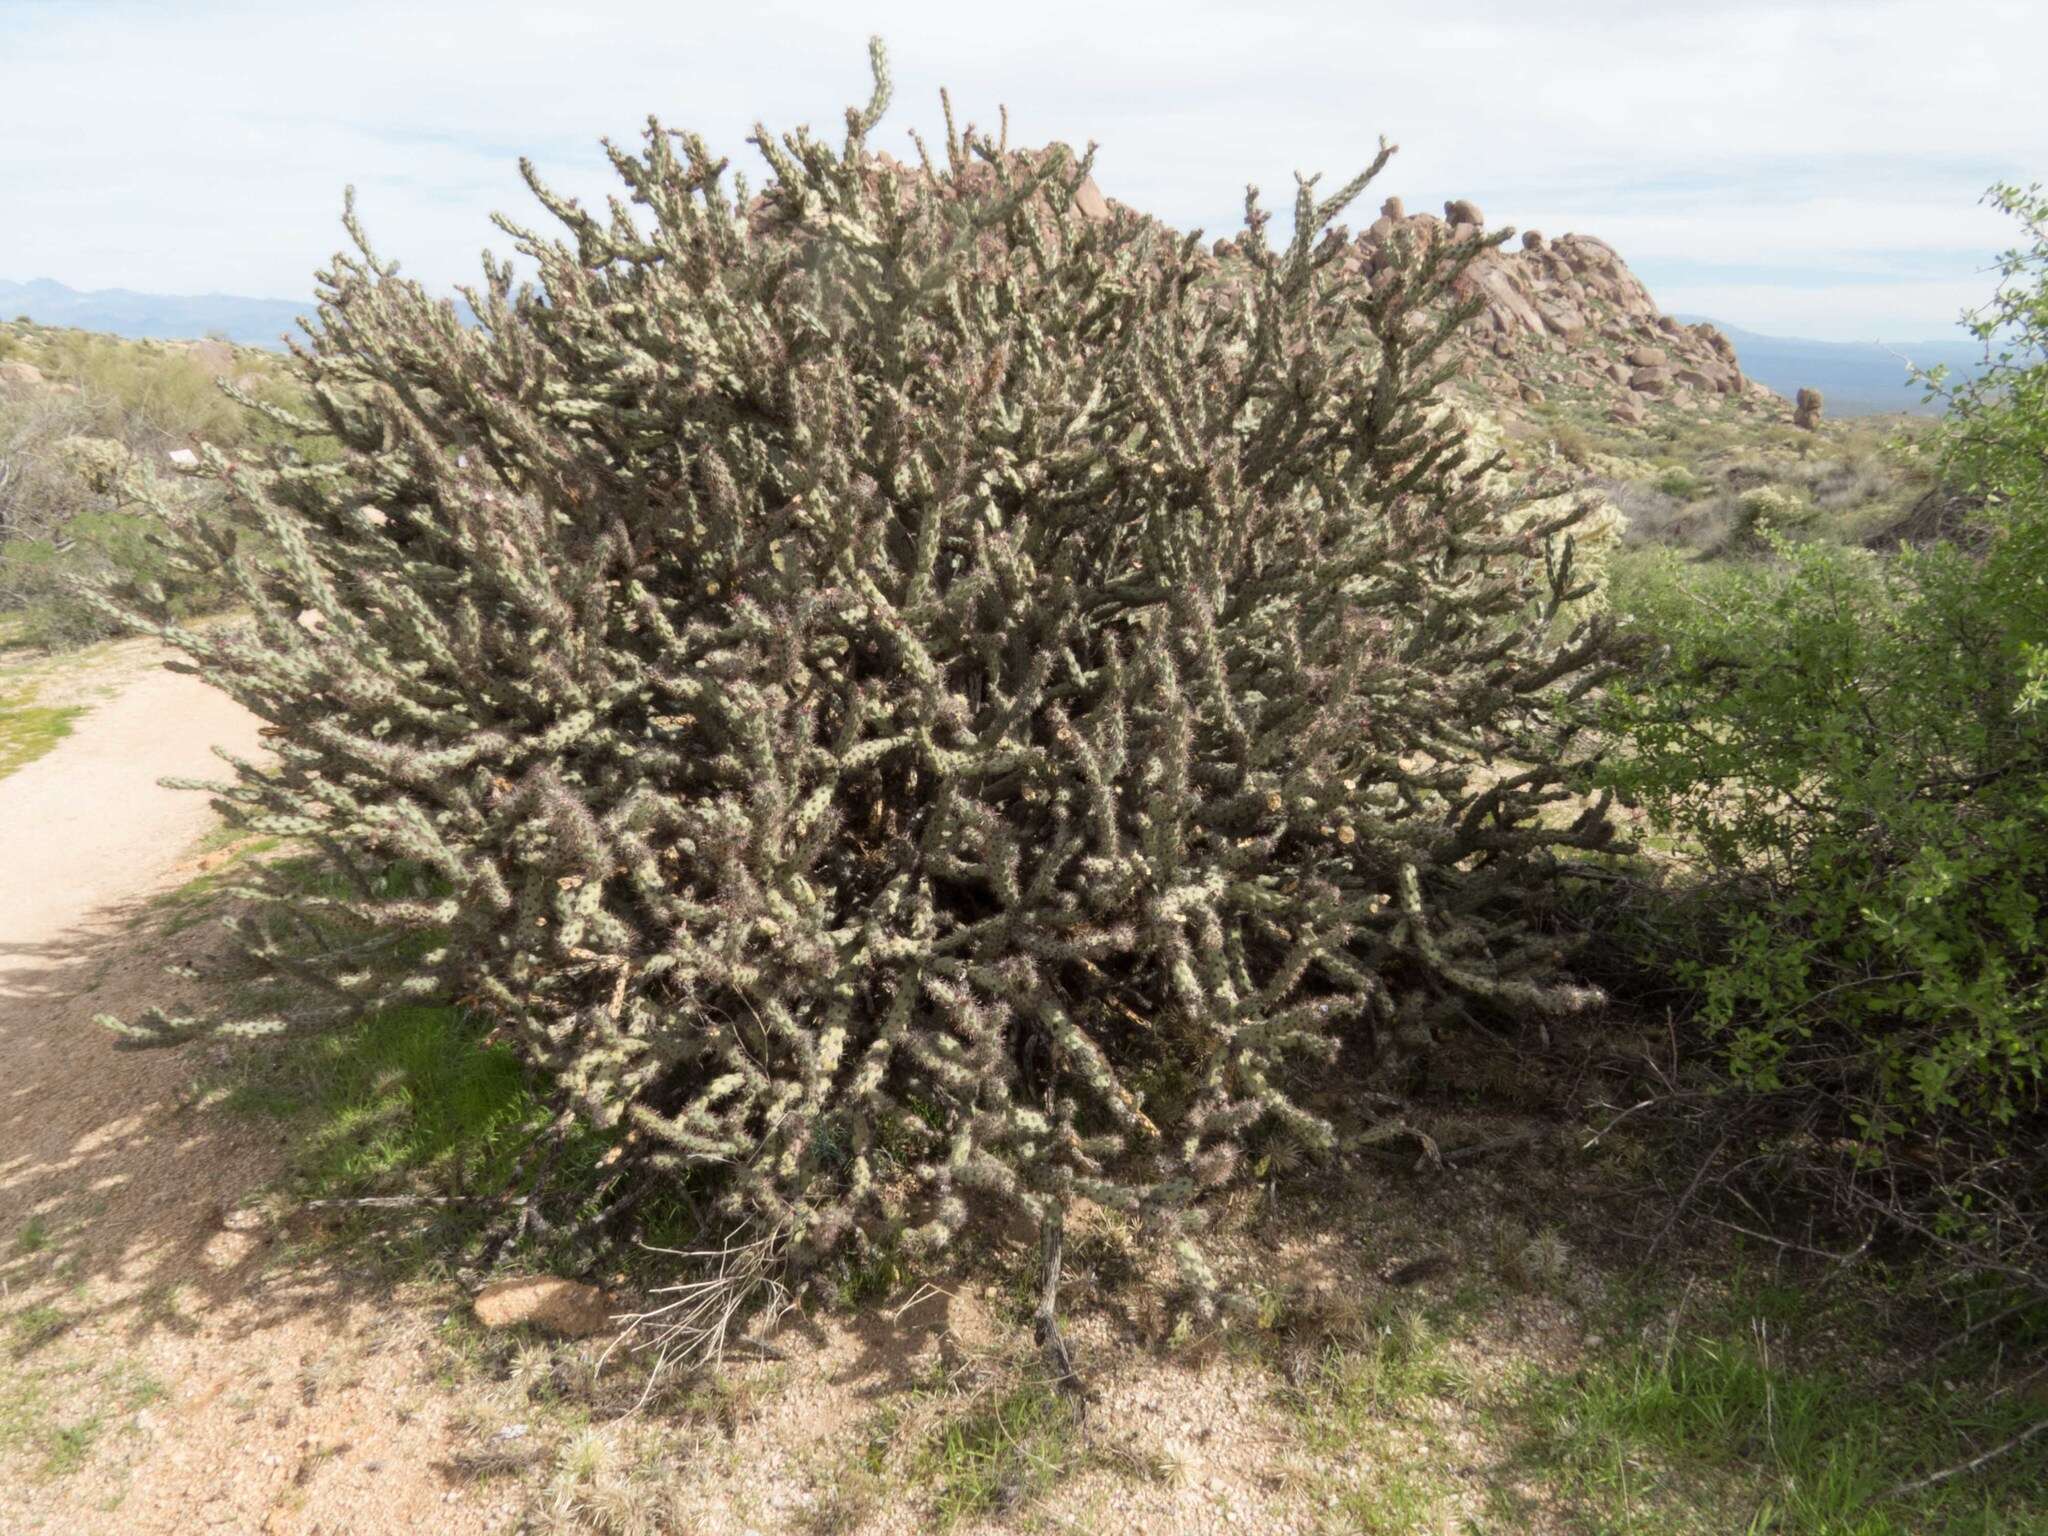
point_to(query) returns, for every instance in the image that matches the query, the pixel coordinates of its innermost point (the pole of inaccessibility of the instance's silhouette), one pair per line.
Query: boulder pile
(1566, 313)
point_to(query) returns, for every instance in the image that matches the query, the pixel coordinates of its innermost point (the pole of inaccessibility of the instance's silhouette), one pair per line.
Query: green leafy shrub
(1659, 590)
(1840, 738)
(884, 668)
(1995, 435)
(1856, 749)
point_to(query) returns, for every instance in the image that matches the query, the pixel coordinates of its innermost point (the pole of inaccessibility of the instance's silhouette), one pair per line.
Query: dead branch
(1961, 1467)
(697, 1327)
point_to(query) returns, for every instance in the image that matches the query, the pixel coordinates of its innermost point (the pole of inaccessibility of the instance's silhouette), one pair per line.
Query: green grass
(1358, 1384)
(32, 1405)
(1712, 1431)
(1397, 1501)
(1001, 1453)
(28, 730)
(68, 1446)
(193, 902)
(410, 1101)
(1700, 1417)
(35, 1326)
(1359, 1403)
(24, 1413)
(409, 1095)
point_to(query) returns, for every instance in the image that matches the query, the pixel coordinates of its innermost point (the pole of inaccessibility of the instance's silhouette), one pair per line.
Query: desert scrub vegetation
(1716, 499)
(1850, 749)
(105, 413)
(909, 709)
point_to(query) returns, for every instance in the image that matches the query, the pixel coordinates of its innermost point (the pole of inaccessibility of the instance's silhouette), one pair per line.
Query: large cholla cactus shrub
(913, 698)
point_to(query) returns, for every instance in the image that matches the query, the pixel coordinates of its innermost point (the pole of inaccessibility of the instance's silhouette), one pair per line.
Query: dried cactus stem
(1052, 1242)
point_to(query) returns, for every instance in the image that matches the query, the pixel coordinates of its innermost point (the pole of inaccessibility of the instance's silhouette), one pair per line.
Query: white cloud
(204, 145)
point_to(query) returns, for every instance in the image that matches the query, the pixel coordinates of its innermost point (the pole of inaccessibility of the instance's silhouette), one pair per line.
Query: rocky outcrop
(1806, 409)
(1560, 310)
(1089, 201)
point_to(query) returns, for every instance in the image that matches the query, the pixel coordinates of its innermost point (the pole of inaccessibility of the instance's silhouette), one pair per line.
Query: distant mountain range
(154, 316)
(1855, 378)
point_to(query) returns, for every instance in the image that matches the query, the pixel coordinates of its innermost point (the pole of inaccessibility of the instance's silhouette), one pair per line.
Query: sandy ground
(200, 1387)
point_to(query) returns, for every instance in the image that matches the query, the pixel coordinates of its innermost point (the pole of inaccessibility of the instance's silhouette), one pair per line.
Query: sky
(1796, 167)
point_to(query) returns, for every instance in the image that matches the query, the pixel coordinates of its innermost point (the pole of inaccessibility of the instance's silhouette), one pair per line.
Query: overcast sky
(1801, 167)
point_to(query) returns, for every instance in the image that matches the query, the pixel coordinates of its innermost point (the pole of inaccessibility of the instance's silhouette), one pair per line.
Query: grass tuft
(1002, 1453)
(1714, 1431)
(412, 1101)
(29, 730)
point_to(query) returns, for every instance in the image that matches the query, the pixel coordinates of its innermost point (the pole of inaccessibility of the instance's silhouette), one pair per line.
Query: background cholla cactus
(906, 694)
(1767, 509)
(99, 463)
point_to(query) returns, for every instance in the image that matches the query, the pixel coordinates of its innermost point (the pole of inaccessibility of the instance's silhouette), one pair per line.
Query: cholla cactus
(1769, 509)
(1597, 525)
(912, 692)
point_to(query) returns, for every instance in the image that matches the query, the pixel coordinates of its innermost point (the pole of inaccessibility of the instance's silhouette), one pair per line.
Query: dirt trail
(88, 826)
(157, 1371)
